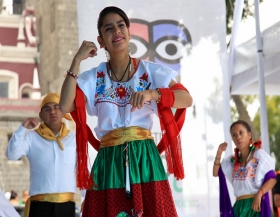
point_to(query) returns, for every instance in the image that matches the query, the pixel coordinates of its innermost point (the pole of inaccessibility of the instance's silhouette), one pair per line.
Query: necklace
(128, 65)
(123, 86)
(248, 157)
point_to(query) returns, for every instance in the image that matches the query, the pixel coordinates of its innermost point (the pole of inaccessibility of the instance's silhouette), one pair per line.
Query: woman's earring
(129, 52)
(107, 54)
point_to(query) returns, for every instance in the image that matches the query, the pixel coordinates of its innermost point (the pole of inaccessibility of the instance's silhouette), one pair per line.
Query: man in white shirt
(51, 151)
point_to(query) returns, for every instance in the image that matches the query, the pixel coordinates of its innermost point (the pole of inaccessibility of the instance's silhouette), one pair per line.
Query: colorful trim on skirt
(151, 193)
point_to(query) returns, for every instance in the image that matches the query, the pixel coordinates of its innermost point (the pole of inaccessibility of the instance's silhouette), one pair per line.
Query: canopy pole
(260, 68)
(227, 74)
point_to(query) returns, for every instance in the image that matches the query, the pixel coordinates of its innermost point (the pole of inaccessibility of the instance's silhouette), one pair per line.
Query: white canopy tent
(245, 77)
(252, 67)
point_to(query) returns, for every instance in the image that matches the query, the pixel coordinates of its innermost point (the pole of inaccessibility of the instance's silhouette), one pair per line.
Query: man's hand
(30, 123)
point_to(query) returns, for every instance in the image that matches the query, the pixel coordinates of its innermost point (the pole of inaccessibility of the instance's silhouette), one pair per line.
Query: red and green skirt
(151, 193)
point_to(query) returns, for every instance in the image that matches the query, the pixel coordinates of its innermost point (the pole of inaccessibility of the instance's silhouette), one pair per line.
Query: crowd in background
(14, 199)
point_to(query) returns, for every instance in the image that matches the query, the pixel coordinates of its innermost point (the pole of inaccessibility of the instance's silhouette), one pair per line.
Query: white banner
(188, 36)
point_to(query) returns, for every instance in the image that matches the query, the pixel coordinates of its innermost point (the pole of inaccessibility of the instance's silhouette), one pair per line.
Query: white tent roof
(244, 62)
(245, 75)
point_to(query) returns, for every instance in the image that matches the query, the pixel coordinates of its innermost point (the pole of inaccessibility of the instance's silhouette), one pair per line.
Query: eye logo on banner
(161, 41)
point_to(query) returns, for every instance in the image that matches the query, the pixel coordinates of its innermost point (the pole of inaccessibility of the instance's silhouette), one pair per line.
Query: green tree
(248, 10)
(273, 116)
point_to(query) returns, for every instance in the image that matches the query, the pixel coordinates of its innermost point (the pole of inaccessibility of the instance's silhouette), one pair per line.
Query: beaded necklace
(125, 83)
(128, 65)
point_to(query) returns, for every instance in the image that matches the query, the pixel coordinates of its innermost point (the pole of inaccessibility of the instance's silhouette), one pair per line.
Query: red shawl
(171, 127)
(170, 141)
(83, 136)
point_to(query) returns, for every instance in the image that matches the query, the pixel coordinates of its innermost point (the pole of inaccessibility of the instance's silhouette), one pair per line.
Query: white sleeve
(87, 83)
(161, 75)
(265, 164)
(227, 167)
(19, 144)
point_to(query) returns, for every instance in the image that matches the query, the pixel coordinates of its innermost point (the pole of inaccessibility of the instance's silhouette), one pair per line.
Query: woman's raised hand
(217, 161)
(87, 49)
(222, 147)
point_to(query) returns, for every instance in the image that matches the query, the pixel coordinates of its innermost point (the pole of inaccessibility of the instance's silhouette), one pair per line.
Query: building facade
(19, 88)
(37, 42)
(57, 40)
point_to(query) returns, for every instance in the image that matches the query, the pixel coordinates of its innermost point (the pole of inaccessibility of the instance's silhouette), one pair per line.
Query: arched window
(26, 92)
(8, 84)
(4, 89)
(18, 6)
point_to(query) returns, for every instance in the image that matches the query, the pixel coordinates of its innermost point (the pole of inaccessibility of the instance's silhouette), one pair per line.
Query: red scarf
(171, 127)
(83, 136)
(170, 141)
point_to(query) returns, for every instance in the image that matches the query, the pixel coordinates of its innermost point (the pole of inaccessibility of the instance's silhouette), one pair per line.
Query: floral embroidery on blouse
(247, 173)
(100, 84)
(143, 83)
(118, 92)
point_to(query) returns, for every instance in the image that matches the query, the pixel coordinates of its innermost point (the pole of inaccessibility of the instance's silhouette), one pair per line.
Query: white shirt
(249, 179)
(52, 170)
(109, 100)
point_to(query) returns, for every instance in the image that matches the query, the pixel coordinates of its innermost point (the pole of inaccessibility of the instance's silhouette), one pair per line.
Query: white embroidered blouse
(109, 100)
(248, 179)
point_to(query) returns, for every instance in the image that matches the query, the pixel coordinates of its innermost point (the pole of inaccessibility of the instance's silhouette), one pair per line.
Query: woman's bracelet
(217, 164)
(217, 158)
(159, 95)
(72, 74)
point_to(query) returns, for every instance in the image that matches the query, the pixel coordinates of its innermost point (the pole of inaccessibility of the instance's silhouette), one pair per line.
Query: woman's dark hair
(244, 123)
(236, 157)
(13, 195)
(111, 9)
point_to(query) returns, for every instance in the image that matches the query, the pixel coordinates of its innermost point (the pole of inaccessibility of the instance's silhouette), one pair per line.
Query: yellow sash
(53, 198)
(46, 133)
(122, 135)
(247, 196)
